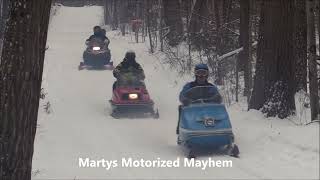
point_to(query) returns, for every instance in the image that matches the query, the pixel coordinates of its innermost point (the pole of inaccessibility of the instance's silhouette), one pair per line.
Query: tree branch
(236, 51)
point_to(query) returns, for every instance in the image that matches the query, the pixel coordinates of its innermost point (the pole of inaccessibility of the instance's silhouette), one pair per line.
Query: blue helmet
(201, 66)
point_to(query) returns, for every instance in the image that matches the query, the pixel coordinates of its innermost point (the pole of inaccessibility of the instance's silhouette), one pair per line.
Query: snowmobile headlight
(96, 48)
(133, 96)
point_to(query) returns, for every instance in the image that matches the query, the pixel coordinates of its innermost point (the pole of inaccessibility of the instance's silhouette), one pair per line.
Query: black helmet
(130, 55)
(96, 29)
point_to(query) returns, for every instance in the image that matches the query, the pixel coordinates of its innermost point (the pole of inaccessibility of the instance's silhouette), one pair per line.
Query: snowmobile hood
(194, 116)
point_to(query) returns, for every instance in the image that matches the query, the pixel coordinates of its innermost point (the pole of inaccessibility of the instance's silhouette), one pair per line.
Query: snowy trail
(80, 126)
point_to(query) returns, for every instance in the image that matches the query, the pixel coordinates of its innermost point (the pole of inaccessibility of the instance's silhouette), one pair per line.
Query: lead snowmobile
(96, 56)
(204, 124)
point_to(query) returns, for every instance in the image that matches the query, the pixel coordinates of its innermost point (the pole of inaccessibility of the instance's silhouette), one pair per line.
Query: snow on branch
(233, 52)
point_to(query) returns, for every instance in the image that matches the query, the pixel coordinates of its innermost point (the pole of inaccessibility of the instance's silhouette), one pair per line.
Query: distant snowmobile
(96, 56)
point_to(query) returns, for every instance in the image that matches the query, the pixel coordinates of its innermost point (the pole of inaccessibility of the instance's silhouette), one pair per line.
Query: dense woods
(265, 50)
(270, 46)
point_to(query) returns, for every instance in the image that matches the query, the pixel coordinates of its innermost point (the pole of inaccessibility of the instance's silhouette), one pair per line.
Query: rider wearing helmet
(103, 35)
(98, 33)
(129, 65)
(201, 72)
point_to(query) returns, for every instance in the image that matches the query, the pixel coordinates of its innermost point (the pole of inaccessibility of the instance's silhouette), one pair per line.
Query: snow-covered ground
(79, 124)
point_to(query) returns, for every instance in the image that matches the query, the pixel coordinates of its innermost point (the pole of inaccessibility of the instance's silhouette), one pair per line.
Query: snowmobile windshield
(198, 94)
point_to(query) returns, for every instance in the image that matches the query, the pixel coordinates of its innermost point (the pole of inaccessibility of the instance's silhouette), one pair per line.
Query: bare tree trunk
(300, 45)
(173, 20)
(313, 84)
(108, 11)
(319, 57)
(237, 79)
(189, 61)
(20, 85)
(226, 5)
(144, 26)
(318, 8)
(274, 85)
(3, 16)
(123, 16)
(115, 14)
(222, 9)
(217, 9)
(245, 41)
(161, 24)
(194, 23)
(148, 6)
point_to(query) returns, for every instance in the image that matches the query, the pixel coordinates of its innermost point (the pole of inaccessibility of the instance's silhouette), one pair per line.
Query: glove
(186, 102)
(217, 98)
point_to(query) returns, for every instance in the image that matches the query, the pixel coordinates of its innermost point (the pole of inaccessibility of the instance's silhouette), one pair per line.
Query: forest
(265, 52)
(270, 45)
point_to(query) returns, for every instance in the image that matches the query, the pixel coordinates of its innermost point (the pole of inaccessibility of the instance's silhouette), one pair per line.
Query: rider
(103, 35)
(128, 65)
(98, 33)
(201, 74)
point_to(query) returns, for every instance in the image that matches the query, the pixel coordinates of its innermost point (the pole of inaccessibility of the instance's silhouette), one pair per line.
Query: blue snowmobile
(204, 124)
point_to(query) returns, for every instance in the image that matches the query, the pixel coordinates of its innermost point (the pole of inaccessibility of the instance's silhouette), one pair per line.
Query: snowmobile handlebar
(213, 99)
(202, 94)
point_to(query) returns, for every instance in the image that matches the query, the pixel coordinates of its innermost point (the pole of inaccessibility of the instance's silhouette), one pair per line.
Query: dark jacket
(192, 84)
(127, 66)
(99, 36)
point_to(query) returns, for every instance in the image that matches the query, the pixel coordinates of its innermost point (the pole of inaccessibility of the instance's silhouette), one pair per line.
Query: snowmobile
(96, 56)
(131, 99)
(204, 124)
